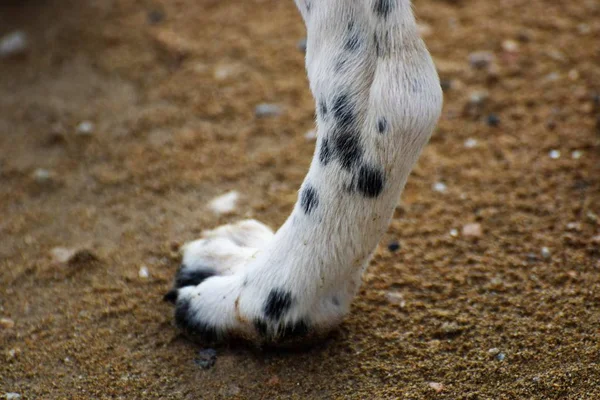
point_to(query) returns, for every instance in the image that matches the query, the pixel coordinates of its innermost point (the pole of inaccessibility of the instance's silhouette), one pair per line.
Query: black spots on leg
(353, 39)
(322, 108)
(189, 323)
(277, 304)
(261, 327)
(325, 152)
(343, 111)
(382, 43)
(294, 330)
(370, 181)
(186, 277)
(309, 199)
(345, 134)
(383, 8)
(347, 148)
(382, 125)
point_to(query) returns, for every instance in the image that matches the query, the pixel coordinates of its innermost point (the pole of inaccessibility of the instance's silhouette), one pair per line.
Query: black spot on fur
(277, 304)
(323, 108)
(383, 8)
(325, 152)
(382, 43)
(171, 296)
(186, 323)
(309, 200)
(185, 277)
(343, 111)
(381, 125)
(295, 330)
(353, 39)
(347, 148)
(261, 327)
(308, 6)
(370, 181)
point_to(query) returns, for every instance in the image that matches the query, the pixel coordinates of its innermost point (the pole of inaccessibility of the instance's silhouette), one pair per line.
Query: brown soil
(171, 133)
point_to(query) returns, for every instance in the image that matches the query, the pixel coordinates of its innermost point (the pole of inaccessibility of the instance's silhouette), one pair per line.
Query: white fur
(318, 257)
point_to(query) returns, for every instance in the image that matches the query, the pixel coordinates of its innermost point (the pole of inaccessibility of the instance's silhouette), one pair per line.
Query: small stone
(532, 257)
(224, 204)
(546, 253)
(206, 358)
(576, 155)
(12, 396)
(510, 46)
(574, 226)
(470, 143)
(573, 75)
(301, 45)
(481, 59)
(500, 356)
(438, 387)
(472, 230)
(592, 217)
(61, 254)
(554, 154)
(7, 323)
(395, 298)
(85, 128)
(478, 98)
(454, 232)
(13, 44)
(394, 246)
(493, 120)
(440, 187)
(584, 29)
(273, 381)
(267, 110)
(493, 351)
(143, 272)
(311, 135)
(41, 175)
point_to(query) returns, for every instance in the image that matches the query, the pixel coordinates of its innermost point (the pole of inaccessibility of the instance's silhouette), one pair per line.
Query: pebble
(493, 120)
(224, 204)
(546, 253)
(481, 59)
(554, 154)
(7, 323)
(440, 187)
(472, 230)
(494, 351)
(394, 246)
(61, 254)
(267, 110)
(206, 358)
(454, 232)
(478, 98)
(500, 356)
(592, 217)
(576, 155)
(301, 45)
(85, 128)
(143, 272)
(510, 46)
(438, 387)
(395, 298)
(13, 43)
(41, 175)
(470, 143)
(12, 396)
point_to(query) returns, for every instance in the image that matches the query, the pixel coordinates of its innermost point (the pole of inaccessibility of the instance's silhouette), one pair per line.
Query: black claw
(171, 296)
(191, 326)
(186, 277)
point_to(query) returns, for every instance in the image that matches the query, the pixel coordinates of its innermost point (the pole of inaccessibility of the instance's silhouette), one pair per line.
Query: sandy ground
(171, 88)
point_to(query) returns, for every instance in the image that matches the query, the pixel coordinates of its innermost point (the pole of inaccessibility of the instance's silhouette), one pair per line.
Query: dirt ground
(511, 312)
